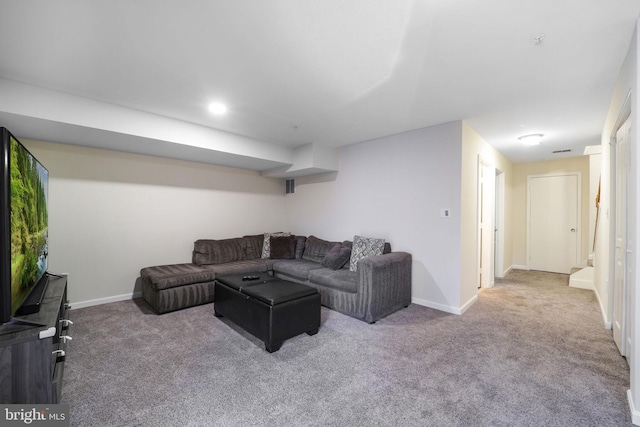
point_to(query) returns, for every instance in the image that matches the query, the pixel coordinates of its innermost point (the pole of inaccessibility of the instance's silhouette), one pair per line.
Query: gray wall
(394, 188)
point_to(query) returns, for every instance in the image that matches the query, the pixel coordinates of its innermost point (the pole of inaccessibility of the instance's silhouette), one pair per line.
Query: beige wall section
(113, 213)
(519, 208)
(474, 147)
(595, 172)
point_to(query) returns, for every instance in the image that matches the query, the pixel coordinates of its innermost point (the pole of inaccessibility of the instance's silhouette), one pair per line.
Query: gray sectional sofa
(368, 289)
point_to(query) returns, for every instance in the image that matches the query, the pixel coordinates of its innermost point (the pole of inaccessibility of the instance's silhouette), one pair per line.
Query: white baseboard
(507, 271)
(445, 308)
(635, 415)
(607, 323)
(468, 304)
(437, 306)
(106, 300)
(520, 267)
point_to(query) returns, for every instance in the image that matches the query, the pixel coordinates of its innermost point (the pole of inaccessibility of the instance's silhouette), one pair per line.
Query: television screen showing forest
(29, 222)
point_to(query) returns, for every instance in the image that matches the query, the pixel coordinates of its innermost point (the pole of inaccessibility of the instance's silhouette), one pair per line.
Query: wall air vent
(290, 186)
(560, 151)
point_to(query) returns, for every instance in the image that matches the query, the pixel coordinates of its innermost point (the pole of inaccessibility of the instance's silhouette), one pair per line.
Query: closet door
(553, 206)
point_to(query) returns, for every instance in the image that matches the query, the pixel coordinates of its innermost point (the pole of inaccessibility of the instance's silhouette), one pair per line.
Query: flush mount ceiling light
(217, 108)
(533, 139)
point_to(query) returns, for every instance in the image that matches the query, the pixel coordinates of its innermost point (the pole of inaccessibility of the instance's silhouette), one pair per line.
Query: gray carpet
(530, 352)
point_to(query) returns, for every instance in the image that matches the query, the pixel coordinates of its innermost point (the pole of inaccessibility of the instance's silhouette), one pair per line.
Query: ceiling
(138, 75)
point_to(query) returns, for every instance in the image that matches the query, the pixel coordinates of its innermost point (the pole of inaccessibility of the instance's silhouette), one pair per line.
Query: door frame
(497, 240)
(485, 245)
(578, 174)
(623, 116)
(622, 214)
(499, 225)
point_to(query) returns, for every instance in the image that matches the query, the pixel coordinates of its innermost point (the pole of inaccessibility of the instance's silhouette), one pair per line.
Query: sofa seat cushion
(170, 276)
(298, 268)
(238, 267)
(342, 279)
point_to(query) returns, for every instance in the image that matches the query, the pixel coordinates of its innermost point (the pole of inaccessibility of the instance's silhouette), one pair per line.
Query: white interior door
(553, 234)
(486, 223)
(620, 268)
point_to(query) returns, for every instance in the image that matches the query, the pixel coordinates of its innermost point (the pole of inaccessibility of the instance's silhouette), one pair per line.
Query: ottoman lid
(279, 291)
(237, 282)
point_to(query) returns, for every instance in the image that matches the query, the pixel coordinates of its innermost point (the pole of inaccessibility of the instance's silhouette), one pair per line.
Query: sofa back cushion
(300, 243)
(316, 249)
(252, 246)
(218, 251)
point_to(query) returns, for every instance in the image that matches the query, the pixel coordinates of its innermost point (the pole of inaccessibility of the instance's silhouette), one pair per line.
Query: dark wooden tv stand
(32, 350)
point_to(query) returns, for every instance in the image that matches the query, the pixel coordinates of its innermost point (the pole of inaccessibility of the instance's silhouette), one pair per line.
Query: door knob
(573, 230)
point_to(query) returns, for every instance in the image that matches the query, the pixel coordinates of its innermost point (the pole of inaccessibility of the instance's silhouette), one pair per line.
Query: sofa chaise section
(176, 286)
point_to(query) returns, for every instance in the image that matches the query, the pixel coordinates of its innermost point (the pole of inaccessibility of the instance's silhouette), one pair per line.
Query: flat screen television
(24, 229)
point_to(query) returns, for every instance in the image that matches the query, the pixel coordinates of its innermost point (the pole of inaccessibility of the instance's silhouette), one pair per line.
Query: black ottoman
(241, 281)
(272, 312)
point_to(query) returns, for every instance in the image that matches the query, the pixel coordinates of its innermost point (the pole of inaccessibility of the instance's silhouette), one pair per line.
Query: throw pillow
(364, 247)
(315, 249)
(282, 247)
(337, 257)
(266, 245)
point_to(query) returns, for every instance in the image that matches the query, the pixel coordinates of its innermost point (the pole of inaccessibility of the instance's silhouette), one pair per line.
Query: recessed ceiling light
(533, 139)
(538, 38)
(217, 108)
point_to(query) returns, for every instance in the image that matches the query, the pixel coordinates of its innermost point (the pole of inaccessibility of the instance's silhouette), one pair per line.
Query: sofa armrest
(384, 284)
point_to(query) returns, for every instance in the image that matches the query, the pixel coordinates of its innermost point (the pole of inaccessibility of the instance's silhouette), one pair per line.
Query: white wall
(113, 213)
(394, 188)
(34, 111)
(627, 81)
